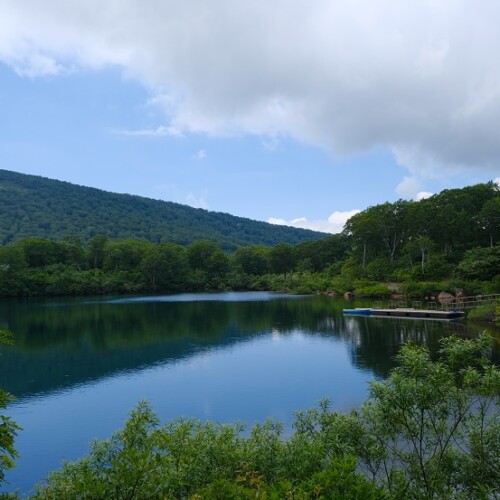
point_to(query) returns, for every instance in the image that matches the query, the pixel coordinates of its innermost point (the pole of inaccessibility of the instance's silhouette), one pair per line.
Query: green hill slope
(36, 206)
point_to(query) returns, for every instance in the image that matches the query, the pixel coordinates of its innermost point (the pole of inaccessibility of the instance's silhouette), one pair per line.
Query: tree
(420, 247)
(8, 428)
(281, 258)
(432, 429)
(480, 263)
(362, 231)
(75, 254)
(489, 218)
(209, 260)
(124, 255)
(12, 265)
(322, 253)
(95, 251)
(165, 268)
(252, 260)
(40, 252)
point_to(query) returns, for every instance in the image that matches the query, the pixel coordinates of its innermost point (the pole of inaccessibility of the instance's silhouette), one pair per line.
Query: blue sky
(297, 113)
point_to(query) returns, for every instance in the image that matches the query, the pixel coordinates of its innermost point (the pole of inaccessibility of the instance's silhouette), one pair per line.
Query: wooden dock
(451, 308)
(417, 313)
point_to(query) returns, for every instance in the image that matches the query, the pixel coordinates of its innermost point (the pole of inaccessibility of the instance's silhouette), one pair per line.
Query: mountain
(36, 206)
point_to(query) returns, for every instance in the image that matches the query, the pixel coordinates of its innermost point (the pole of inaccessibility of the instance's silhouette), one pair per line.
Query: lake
(79, 365)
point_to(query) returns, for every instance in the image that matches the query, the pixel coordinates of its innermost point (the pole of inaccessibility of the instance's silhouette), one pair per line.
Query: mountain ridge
(38, 206)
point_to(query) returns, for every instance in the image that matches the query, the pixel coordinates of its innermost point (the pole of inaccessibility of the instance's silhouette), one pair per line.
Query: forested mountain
(36, 206)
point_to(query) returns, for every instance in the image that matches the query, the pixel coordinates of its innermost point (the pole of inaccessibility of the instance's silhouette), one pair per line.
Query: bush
(483, 312)
(371, 289)
(379, 269)
(423, 289)
(493, 286)
(8, 428)
(431, 430)
(480, 263)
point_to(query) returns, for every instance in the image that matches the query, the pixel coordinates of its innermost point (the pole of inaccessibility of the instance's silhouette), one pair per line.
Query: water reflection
(63, 343)
(78, 366)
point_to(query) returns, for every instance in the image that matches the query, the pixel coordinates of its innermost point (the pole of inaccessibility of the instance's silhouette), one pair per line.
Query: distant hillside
(36, 206)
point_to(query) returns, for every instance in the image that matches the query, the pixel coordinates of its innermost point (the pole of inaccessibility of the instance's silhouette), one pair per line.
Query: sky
(298, 112)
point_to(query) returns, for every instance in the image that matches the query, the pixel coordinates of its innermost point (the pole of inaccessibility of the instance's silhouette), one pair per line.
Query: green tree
(165, 268)
(420, 248)
(73, 249)
(252, 260)
(360, 228)
(95, 251)
(281, 258)
(8, 428)
(489, 219)
(40, 252)
(480, 263)
(432, 429)
(12, 267)
(124, 255)
(211, 263)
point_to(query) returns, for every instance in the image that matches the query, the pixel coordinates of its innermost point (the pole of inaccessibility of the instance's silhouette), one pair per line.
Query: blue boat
(358, 311)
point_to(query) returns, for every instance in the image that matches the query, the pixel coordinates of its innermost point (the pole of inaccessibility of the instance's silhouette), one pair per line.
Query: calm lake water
(79, 366)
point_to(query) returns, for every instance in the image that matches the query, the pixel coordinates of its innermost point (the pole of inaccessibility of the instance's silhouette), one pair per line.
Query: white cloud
(408, 187)
(334, 223)
(420, 77)
(277, 222)
(422, 195)
(160, 131)
(200, 155)
(196, 201)
(497, 181)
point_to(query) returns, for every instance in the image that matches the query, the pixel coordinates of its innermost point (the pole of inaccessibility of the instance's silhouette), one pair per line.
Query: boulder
(445, 298)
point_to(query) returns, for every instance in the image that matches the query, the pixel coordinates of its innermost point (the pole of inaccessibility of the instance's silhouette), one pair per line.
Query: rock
(397, 296)
(445, 298)
(348, 295)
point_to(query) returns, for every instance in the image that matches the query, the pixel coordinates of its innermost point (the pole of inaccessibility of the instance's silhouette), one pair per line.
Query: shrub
(430, 430)
(371, 289)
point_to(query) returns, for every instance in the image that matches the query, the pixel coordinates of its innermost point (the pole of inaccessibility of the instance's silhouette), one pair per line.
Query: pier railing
(448, 304)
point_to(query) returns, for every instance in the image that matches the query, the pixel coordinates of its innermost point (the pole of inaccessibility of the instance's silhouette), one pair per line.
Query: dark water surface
(79, 366)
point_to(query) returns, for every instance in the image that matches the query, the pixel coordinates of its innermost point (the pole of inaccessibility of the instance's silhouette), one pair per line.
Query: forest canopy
(446, 242)
(45, 208)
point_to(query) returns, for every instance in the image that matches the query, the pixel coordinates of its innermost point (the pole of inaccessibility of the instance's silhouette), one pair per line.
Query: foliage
(8, 428)
(33, 206)
(484, 312)
(165, 268)
(371, 289)
(430, 430)
(480, 263)
(433, 427)
(423, 289)
(429, 237)
(445, 239)
(191, 459)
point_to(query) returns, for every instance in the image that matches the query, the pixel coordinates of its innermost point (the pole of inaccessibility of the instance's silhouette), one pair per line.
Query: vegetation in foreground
(430, 430)
(8, 428)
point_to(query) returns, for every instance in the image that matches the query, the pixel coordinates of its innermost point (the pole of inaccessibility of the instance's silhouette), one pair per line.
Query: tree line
(428, 237)
(37, 266)
(450, 240)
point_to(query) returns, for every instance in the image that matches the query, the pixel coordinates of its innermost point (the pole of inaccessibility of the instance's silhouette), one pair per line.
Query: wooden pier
(451, 308)
(417, 313)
